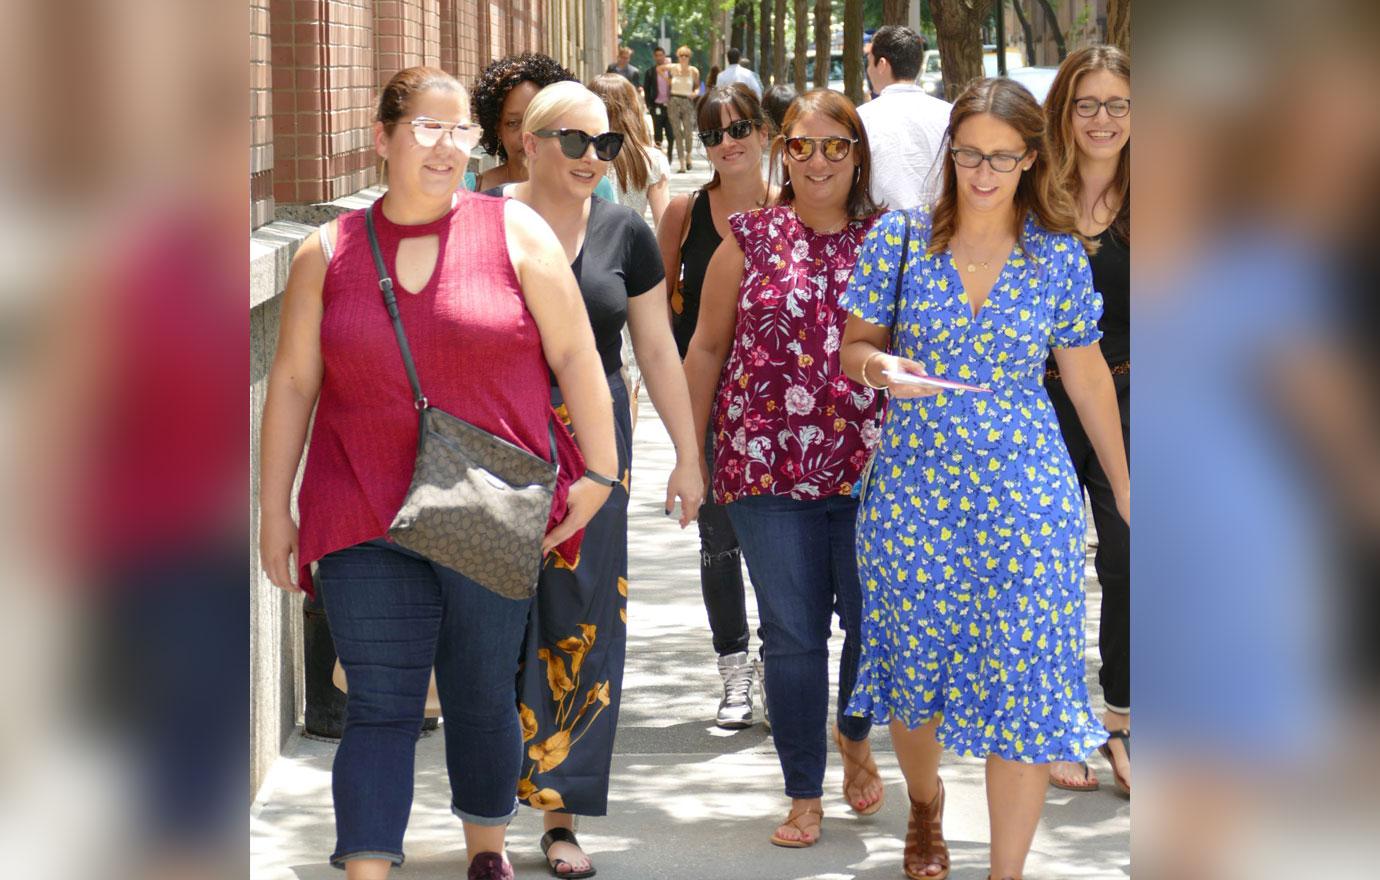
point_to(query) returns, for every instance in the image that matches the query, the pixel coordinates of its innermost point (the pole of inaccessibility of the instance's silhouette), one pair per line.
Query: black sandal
(1122, 786)
(562, 835)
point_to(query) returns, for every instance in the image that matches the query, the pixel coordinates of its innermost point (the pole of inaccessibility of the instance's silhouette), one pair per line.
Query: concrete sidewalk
(689, 800)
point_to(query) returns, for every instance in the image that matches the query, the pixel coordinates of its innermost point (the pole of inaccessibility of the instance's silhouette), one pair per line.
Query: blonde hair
(556, 100)
(633, 165)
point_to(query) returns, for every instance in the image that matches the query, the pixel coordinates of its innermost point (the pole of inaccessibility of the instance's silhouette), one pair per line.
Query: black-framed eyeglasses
(428, 133)
(575, 143)
(1088, 107)
(1003, 163)
(835, 148)
(737, 129)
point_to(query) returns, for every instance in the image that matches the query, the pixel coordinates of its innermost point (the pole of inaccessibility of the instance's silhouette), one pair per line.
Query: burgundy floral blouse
(786, 419)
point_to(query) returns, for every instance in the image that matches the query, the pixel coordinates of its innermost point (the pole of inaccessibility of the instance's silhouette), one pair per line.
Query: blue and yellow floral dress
(971, 530)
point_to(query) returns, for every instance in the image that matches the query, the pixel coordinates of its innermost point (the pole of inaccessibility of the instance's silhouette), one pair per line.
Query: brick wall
(317, 66)
(260, 116)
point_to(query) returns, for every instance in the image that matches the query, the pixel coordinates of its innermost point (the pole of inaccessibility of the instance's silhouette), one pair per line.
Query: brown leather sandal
(925, 839)
(852, 769)
(793, 820)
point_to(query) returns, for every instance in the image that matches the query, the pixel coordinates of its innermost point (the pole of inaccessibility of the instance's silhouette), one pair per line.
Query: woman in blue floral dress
(971, 530)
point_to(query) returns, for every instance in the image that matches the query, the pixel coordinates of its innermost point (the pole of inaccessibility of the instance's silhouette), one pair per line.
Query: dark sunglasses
(737, 129)
(575, 143)
(835, 149)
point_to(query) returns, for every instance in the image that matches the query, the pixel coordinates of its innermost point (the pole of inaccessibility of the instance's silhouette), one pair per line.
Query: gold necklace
(972, 265)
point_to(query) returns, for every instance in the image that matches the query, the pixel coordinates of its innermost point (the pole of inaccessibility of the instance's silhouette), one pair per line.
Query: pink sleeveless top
(478, 357)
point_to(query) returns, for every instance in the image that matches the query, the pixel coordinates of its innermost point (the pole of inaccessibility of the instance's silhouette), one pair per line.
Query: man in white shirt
(905, 126)
(738, 72)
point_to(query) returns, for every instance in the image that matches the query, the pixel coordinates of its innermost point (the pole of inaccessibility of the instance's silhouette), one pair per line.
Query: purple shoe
(490, 866)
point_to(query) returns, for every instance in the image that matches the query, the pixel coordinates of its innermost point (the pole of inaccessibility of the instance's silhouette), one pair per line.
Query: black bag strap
(390, 300)
(900, 277)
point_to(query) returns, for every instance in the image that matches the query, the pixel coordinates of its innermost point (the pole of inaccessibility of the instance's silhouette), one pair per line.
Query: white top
(661, 169)
(737, 73)
(905, 128)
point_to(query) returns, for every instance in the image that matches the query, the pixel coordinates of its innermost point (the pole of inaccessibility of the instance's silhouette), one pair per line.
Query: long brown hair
(837, 107)
(737, 97)
(1038, 193)
(633, 165)
(1063, 148)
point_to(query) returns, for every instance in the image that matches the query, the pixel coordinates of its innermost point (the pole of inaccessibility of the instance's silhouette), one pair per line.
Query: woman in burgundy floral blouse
(791, 436)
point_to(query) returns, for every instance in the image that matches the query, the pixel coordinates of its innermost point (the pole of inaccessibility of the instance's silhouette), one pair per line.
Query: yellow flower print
(550, 752)
(525, 789)
(556, 678)
(546, 799)
(529, 723)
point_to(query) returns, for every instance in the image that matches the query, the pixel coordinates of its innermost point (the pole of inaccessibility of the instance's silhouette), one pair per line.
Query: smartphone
(912, 379)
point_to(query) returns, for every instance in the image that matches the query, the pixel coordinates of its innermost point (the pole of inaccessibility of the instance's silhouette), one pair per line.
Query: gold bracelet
(867, 381)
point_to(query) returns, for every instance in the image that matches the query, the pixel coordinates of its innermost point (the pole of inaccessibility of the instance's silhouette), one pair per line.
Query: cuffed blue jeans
(393, 615)
(804, 568)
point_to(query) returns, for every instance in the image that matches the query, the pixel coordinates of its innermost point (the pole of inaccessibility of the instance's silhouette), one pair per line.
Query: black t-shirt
(619, 260)
(701, 240)
(1111, 272)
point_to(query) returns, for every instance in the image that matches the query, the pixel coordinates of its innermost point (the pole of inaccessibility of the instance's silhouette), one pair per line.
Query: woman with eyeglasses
(1089, 117)
(971, 532)
(501, 96)
(733, 132)
(684, 78)
(571, 683)
(791, 435)
(491, 310)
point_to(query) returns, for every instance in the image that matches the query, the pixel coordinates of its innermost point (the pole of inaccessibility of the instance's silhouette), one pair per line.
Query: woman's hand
(687, 483)
(278, 549)
(583, 501)
(878, 364)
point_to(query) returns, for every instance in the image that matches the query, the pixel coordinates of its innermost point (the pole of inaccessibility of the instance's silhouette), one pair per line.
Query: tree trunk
(852, 50)
(778, 46)
(1054, 28)
(1119, 24)
(762, 63)
(1029, 33)
(802, 42)
(896, 12)
(822, 10)
(958, 24)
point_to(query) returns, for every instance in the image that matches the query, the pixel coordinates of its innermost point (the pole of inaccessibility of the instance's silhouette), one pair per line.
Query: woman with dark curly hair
(500, 99)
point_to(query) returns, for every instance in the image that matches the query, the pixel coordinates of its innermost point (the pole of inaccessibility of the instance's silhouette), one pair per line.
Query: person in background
(571, 684)
(640, 174)
(489, 273)
(905, 125)
(775, 103)
(656, 91)
(500, 99)
(1089, 119)
(791, 436)
(738, 71)
(971, 531)
(733, 131)
(684, 84)
(624, 66)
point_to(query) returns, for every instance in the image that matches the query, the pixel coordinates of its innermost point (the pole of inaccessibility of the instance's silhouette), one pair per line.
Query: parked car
(835, 69)
(1037, 79)
(932, 74)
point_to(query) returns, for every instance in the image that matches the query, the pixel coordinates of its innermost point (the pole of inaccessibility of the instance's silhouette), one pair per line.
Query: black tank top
(701, 240)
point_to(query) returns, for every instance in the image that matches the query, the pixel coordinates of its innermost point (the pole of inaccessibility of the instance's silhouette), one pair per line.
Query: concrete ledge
(271, 246)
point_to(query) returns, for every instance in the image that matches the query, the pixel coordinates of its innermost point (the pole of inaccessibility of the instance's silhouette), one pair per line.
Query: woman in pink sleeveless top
(489, 305)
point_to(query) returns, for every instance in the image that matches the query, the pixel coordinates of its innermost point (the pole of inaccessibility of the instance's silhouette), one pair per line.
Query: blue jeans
(393, 614)
(804, 567)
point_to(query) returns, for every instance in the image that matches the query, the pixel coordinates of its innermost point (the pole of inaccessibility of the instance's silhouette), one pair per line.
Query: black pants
(721, 580)
(1113, 561)
(661, 124)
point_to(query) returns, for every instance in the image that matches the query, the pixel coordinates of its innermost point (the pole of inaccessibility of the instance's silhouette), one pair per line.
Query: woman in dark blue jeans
(791, 436)
(489, 306)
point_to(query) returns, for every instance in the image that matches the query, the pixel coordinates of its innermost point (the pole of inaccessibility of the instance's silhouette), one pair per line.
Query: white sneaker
(735, 709)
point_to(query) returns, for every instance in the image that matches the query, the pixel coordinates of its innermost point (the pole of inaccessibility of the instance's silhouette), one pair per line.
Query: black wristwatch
(600, 478)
